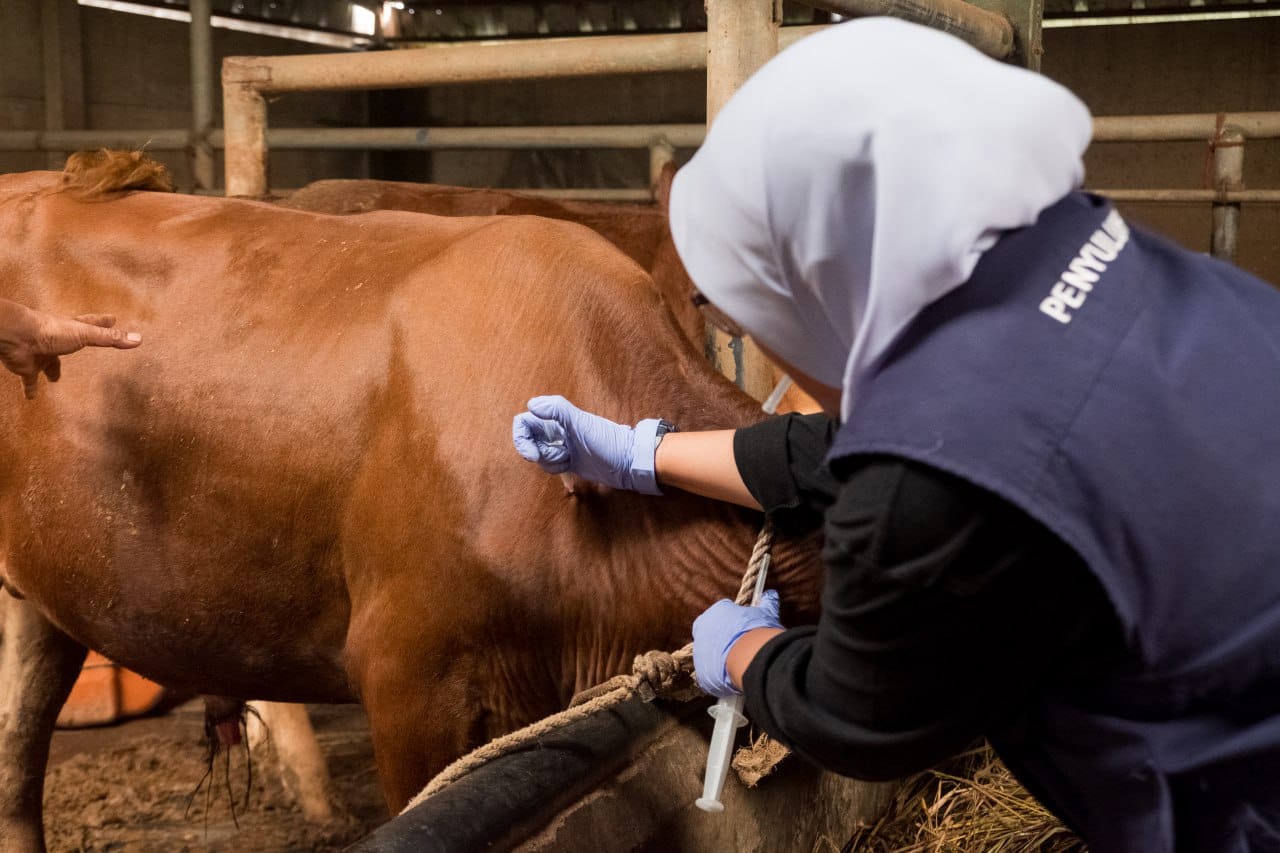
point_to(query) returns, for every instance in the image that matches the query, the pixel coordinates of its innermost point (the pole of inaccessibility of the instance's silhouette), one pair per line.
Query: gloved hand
(560, 437)
(717, 629)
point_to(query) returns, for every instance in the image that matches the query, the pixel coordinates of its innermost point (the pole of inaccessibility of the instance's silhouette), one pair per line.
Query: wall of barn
(136, 74)
(1221, 66)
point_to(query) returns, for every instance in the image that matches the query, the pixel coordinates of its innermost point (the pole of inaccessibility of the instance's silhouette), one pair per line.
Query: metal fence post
(1228, 174)
(1025, 16)
(201, 40)
(742, 35)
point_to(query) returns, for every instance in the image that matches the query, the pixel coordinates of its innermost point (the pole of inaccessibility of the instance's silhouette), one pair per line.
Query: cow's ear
(662, 186)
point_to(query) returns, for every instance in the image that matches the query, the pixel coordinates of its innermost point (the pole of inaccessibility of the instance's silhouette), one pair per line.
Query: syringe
(566, 478)
(729, 718)
(728, 711)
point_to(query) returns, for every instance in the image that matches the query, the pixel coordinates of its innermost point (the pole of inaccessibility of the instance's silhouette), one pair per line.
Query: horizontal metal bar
(1195, 127)
(1193, 196)
(378, 138)
(168, 139)
(1156, 18)
(1166, 128)
(440, 138)
(442, 64)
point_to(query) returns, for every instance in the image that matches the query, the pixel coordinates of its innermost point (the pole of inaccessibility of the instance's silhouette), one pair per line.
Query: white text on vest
(1086, 268)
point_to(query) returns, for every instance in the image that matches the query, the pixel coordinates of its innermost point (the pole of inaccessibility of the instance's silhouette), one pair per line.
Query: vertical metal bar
(244, 120)
(64, 63)
(661, 152)
(1026, 17)
(1228, 174)
(742, 35)
(201, 38)
(51, 62)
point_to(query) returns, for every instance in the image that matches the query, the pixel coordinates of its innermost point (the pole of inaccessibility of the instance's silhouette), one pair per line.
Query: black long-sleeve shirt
(945, 608)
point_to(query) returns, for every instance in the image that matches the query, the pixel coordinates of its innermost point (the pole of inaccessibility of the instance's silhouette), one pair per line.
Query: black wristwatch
(664, 426)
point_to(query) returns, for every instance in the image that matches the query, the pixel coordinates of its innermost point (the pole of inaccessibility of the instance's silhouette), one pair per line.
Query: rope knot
(655, 673)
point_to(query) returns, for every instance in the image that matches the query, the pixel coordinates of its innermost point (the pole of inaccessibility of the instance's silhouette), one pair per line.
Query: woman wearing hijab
(1049, 484)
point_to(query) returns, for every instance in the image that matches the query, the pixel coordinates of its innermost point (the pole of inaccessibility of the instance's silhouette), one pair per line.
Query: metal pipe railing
(1226, 132)
(1171, 128)
(247, 79)
(444, 64)
(1165, 196)
(1192, 127)
(446, 138)
(380, 138)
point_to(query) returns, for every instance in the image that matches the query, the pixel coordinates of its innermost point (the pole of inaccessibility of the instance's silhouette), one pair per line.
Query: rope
(653, 674)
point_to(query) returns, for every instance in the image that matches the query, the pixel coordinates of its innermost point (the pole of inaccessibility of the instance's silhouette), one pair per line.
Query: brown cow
(641, 231)
(303, 488)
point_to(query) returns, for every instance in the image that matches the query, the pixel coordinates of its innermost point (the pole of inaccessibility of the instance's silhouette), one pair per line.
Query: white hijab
(858, 177)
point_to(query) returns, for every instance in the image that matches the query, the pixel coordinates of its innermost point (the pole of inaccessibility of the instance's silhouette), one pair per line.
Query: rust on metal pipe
(988, 31)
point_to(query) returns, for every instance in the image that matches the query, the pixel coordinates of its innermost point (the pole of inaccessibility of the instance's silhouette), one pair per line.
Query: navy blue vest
(1126, 393)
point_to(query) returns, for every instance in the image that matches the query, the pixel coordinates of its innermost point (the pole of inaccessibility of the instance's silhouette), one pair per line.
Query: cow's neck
(671, 557)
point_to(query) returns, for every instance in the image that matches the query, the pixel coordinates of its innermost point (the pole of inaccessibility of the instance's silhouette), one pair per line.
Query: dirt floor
(137, 787)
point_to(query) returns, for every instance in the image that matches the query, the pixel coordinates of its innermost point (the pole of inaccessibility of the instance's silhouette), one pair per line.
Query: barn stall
(478, 94)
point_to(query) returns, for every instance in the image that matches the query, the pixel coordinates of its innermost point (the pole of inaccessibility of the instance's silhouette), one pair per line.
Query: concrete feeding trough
(626, 779)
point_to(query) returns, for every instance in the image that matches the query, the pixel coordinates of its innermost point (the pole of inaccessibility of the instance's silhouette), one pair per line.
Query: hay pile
(971, 804)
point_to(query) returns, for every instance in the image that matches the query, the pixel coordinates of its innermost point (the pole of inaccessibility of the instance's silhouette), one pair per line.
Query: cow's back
(641, 231)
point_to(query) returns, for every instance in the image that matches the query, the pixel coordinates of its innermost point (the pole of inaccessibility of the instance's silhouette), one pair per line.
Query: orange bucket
(107, 693)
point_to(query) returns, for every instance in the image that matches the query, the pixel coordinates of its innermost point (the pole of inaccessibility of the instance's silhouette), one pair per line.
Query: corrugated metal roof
(451, 20)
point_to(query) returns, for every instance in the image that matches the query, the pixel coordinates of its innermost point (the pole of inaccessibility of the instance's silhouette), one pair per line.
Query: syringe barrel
(728, 715)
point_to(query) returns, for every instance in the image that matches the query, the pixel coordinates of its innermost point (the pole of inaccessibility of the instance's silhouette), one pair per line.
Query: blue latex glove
(560, 438)
(717, 629)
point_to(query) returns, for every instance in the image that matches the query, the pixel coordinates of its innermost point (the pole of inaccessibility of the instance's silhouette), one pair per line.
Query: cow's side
(302, 487)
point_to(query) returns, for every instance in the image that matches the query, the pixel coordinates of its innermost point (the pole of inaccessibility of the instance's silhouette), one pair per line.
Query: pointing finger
(94, 335)
(106, 321)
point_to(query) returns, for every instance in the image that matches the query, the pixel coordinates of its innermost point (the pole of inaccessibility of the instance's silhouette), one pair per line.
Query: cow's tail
(94, 174)
(223, 719)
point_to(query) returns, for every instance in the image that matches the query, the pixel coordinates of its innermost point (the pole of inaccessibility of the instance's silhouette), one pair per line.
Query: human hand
(717, 629)
(559, 437)
(31, 341)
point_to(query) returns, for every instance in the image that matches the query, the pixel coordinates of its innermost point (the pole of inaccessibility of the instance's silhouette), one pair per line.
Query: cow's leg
(303, 770)
(422, 710)
(38, 666)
